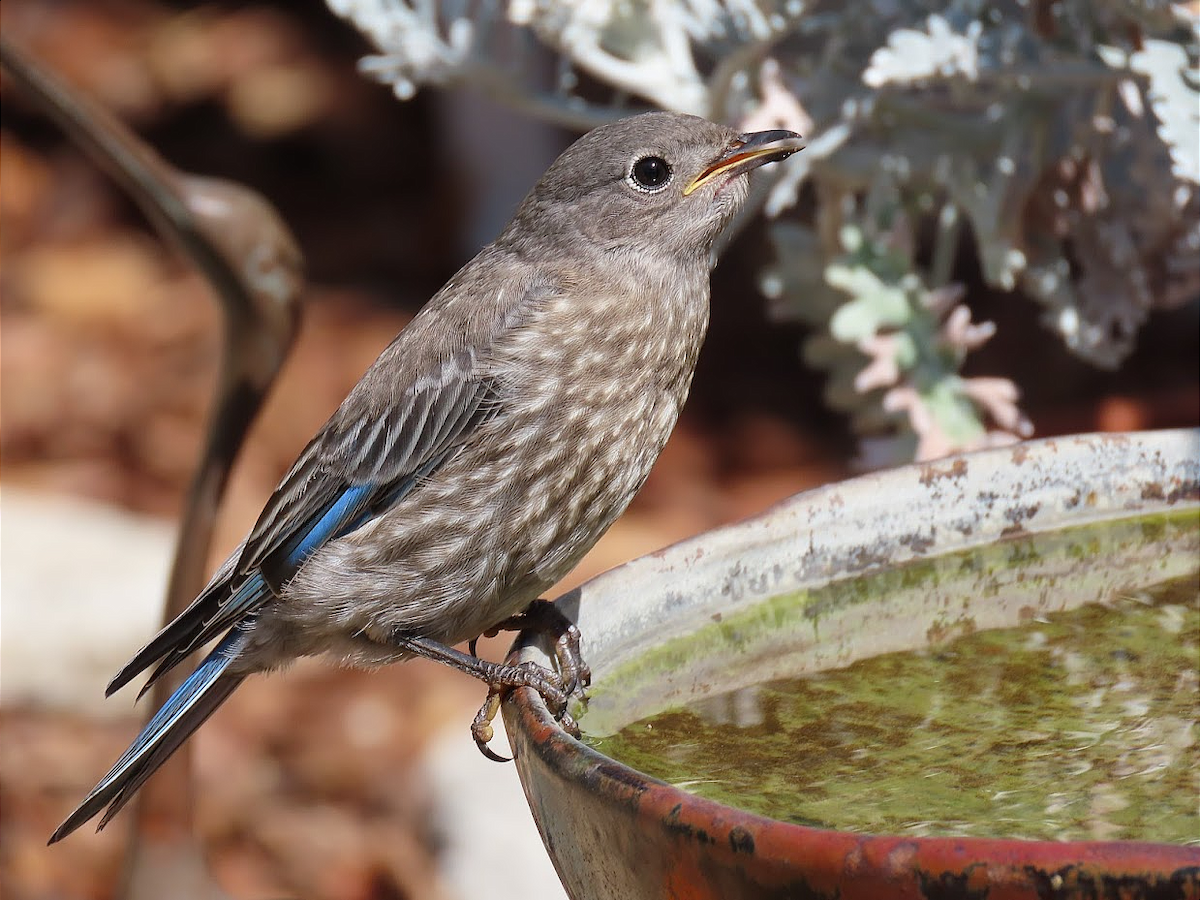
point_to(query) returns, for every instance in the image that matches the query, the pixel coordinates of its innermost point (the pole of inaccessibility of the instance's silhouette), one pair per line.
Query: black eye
(650, 173)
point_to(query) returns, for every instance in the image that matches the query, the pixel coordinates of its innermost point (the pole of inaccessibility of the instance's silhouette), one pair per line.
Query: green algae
(1079, 722)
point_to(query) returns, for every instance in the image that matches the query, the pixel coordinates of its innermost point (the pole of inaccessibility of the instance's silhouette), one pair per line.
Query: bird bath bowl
(881, 688)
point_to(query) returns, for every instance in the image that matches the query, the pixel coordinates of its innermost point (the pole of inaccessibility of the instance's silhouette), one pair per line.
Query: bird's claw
(569, 725)
(549, 687)
(544, 617)
(481, 727)
(576, 674)
(500, 679)
(555, 688)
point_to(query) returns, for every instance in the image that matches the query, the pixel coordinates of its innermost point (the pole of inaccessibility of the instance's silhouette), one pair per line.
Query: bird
(485, 451)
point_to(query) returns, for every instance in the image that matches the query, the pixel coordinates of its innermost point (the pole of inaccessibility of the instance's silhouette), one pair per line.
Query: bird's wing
(370, 453)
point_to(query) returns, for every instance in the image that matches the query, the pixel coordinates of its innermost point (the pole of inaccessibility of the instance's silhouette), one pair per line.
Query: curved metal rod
(243, 248)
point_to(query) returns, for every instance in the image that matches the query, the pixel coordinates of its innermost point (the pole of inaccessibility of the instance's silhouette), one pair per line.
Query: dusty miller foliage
(1059, 137)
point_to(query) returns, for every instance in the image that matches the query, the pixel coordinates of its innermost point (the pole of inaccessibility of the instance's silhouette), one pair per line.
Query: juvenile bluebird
(487, 448)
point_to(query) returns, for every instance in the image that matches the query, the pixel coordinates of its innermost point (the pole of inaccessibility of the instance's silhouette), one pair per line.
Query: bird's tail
(186, 709)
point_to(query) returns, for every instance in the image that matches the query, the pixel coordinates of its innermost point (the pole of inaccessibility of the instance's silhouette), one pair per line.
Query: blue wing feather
(342, 515)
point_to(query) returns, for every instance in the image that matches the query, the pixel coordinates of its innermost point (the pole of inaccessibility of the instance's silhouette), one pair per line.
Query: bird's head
(660, 181)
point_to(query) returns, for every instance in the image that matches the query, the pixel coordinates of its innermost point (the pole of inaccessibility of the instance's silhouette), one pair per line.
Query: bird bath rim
(594, 811)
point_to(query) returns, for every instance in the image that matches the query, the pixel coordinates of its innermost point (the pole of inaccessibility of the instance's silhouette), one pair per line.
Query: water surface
(1077, 721)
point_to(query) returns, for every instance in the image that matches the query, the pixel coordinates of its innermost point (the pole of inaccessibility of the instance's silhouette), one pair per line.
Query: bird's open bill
(755, 149)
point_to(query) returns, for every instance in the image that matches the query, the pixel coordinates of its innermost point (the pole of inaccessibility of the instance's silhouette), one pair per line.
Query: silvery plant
(1059, 136)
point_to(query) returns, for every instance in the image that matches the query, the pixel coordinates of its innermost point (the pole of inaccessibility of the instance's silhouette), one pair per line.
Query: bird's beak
(751, 151)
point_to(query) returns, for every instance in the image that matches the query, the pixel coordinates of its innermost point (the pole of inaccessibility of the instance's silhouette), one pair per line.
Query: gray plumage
(490, 445)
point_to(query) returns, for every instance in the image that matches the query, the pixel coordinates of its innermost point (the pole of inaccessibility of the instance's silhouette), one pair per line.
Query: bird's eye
(650, 173)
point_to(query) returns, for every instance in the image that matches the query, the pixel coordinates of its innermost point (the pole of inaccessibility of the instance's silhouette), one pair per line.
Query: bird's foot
(550, 692)
(544, 617)
(500, 679)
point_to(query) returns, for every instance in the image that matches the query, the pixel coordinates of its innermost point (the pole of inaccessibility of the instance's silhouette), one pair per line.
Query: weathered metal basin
(616, 834)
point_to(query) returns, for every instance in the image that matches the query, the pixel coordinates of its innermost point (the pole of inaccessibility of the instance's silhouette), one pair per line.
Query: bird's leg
(543, 616)
(500, 679)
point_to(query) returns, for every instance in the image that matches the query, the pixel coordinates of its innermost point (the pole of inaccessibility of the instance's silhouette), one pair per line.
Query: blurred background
(992, 235)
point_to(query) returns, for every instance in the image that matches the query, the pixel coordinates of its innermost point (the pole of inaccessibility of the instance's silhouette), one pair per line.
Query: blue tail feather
(191, 704)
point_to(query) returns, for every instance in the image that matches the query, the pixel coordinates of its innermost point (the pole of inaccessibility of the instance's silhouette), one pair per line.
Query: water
(1079, 720)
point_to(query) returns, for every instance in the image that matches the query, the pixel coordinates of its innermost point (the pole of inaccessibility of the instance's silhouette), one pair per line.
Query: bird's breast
(590, 396)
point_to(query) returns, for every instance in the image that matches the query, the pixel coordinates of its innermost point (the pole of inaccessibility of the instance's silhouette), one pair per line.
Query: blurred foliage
(1057, 137)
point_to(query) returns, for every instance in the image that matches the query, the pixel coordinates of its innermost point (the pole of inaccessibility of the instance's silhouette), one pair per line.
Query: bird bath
(890, 687)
